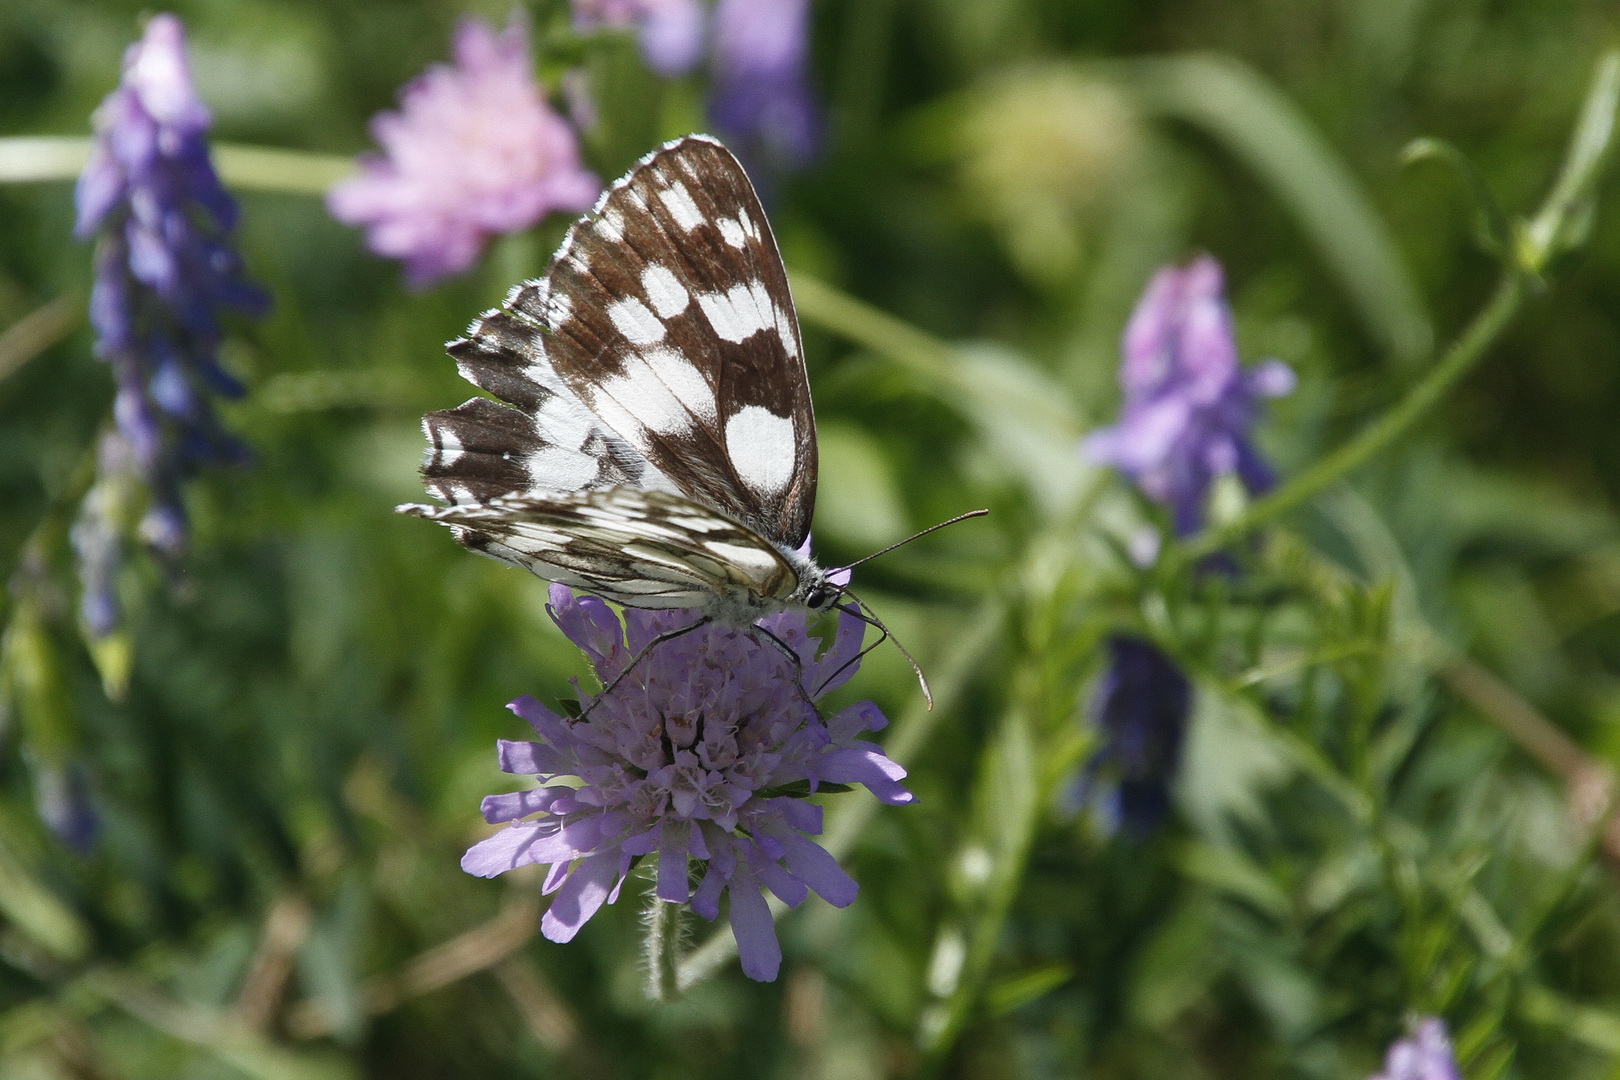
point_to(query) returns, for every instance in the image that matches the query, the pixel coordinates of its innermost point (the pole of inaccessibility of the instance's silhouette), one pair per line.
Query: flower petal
(864, 764)
(582, 895)
(813, 865)
(757, 947)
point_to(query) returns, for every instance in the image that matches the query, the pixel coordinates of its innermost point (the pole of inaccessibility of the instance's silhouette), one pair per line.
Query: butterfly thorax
(809, 589)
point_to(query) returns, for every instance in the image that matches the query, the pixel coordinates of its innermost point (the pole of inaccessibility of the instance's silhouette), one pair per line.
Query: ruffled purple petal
(813, 865)
(866, 765)
(582, 895)
(757, 947)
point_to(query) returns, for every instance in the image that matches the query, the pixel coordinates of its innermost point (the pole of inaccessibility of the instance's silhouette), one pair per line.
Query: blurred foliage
(293, 766)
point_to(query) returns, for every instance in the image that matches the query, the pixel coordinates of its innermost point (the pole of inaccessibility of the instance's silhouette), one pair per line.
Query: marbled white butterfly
(657, 445)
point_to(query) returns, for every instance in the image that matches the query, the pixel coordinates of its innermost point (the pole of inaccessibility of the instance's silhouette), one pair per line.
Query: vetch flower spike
(164, 274)
(1425, 1055)
(474, 151)
(1189, 406)
(1140, 707)
(761, 100)
(704, 754)
(671, 31)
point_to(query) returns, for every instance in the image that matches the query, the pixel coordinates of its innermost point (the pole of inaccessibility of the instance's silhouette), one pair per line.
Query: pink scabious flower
(672, 31)
(474, 151)
(1189, 405)
(704, 752)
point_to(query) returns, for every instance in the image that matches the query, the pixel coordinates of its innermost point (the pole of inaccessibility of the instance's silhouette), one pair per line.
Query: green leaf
(1241, 110)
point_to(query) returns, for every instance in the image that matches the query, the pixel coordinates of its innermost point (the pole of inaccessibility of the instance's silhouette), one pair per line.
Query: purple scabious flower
(704, 752)
(474, 151)
(164, 273)
(760, 99)
(671, 31)
(1426, 1055)
(1189, 406)
(1140, 708)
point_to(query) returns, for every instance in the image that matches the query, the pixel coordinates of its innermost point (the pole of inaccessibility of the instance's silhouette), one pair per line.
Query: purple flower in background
(1140, 707)
(99, 533)
(65, 798)
(671, 31)
(164, 273)
(704, 752)
(761, 100)
(1188, 406)
(1426, 1055)
(473, 152)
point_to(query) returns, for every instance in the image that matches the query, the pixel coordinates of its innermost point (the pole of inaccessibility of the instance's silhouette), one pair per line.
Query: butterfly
(653, 442)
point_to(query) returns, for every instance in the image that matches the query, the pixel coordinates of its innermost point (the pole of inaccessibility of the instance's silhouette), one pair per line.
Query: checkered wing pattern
(652, 399)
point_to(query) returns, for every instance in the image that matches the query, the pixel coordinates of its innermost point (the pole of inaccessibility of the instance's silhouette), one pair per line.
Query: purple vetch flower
(761, 100)
(164, 273)
(704, 752)
(1426, 1055)
(1140, 707)
(65, 798)
(474, 151)
(99, 533)
(1188, 406)
(671, 31)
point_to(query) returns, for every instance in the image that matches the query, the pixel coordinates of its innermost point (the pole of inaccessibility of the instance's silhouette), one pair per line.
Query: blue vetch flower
(761, 100)
(1188, 404)
(1425, 1055)
(1140, 708)
(65, 798)
(99, 533)
(703, 752)
(672, 31)
(164, 273)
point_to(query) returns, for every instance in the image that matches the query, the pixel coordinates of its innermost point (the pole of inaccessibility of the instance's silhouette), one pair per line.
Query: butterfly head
(817, 589)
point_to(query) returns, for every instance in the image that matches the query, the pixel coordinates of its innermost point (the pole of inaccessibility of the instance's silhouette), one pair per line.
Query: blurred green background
(290, 779)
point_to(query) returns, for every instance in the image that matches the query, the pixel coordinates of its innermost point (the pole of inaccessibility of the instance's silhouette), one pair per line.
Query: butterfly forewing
(667, 314)
(653, 440)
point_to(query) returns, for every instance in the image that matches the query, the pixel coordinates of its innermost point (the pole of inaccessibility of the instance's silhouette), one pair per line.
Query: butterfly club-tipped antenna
(862, 611)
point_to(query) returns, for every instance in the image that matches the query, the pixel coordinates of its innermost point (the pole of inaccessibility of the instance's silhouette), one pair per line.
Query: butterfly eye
(819, 597)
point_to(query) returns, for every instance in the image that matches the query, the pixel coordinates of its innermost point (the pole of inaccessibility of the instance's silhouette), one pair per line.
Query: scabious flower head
(702, 753)
(761, 100)
(164, 272)
(1140, 707)
(1188, 404)
(474, 151)
(1426, 1055)
(671, 31)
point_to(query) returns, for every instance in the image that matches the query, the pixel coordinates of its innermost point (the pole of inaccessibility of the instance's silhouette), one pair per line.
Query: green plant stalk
(49, 159)
(1467, 351)
(663, 949)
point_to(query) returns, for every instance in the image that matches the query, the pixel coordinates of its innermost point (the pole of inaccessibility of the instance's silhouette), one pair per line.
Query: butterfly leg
(883, 635)
(798, 661)
(641, 654)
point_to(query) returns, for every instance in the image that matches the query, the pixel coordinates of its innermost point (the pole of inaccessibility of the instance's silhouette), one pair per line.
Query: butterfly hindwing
(667, 314)
(643, 548)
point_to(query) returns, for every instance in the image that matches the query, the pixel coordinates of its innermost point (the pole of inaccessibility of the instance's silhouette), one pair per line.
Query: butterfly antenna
(907, 540)
(872, 618)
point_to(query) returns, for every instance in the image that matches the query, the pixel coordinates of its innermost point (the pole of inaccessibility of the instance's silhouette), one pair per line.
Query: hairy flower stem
(663, 949)
(1457, 361)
